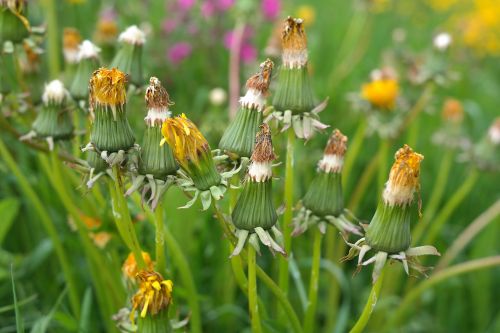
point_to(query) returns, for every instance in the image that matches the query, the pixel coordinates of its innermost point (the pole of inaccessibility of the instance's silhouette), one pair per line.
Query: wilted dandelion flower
(486, 153)
(111, 135)
(324, 201)
(239, 137)
(294, 101)
(54, 121)
(156, 163)
(130, 268)
(451, 134)
(193, 154)
(14, 26)
(254, 214)
(88, 62)
(152, 301)
(129, 57)
(388, 233)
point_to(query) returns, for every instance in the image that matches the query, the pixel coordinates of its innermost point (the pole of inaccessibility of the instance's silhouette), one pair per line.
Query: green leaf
(19, 319)
(86, 311)
(42, 324)
(9, 208)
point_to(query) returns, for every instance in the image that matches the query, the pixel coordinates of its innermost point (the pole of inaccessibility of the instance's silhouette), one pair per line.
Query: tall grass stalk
(252, 292)
(122, 217)
(309, 320)
(355, 145)
(370, 305)
(288, 215)
(53, 38)
(159, 239)
(47, 224)
(452, 204)
(436, 196)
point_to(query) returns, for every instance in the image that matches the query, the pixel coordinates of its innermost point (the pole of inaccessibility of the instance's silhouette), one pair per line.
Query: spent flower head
(388, 233)
(154, 294)
(71, 42)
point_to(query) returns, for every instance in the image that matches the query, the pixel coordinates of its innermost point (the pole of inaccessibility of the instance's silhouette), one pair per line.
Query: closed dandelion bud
(54, 121)
(110, 131)
(191, 150)
(294, 101)
(129, 57)
(294, 91)
(254, 214)
(71, 42)
(151, 302)
(156, 162)
(388, 233)
(88, 62)
(14, 26)
(389, 230)
(239, 137)
(155, 159)
(324, 201)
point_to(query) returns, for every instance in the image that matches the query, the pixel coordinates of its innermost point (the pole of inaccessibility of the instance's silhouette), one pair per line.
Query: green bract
(13, 26)
(255, 207)
(294, 91)
(324, 196)
(239, 137)
(155, 159)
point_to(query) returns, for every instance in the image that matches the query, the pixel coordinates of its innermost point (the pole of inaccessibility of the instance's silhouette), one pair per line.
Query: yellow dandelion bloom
(381, 93)
(130, 268)
(71, 39)
(154, 294)
(107, 87)
(185, 139)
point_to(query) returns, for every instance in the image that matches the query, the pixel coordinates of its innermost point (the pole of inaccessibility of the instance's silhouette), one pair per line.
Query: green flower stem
(309, 320)
(288, 215)
(46, 221)
(364, 182)
(481, 222)
(332, 300)
(160, 239)
(383, 171)
(270, 284)
(252, 292)
(417, 108)
(355, 145)
(111, 298)
(53, 38)
(466, 267)
(369, 306)
(122, 218)
(457, 198)
(182, 265)
(436, 196)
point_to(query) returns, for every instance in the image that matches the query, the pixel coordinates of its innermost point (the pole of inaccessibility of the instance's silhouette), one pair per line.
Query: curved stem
(309, 320)
(252, 292)
(440, 276)
(48, 226)
(468, 234)
(288, 214)
(436, 196)
(457, 198)
(369, 306)
(160, 239)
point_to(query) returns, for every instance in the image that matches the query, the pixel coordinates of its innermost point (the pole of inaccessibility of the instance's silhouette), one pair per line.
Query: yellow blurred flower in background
(307, 13)
(130, 268)
(381, 93)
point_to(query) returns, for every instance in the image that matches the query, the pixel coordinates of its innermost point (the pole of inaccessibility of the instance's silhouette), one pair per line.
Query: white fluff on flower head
(54, 92)
(133, 35)
(88, 50)
(442, 41)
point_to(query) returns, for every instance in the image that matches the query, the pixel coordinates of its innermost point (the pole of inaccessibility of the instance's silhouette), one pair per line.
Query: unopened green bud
(129, 57)
(239, 137)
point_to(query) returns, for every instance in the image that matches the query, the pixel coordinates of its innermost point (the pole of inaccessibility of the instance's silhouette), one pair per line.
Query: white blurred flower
(218, 96)
(442, 41)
